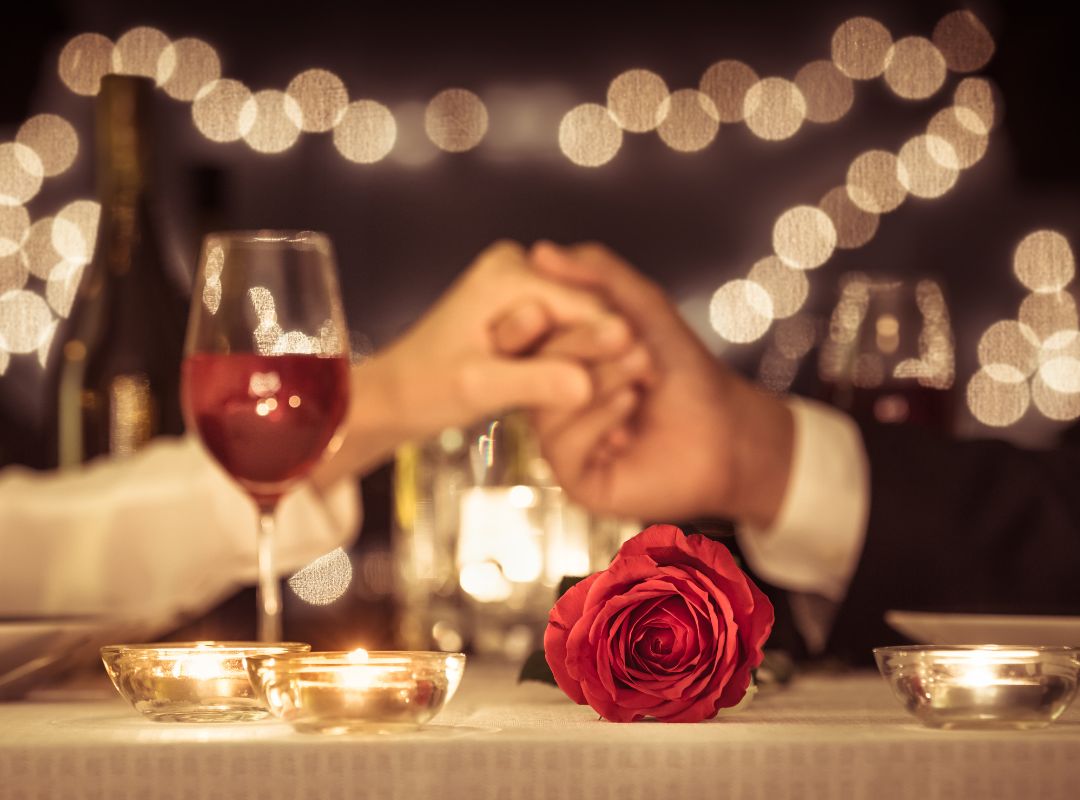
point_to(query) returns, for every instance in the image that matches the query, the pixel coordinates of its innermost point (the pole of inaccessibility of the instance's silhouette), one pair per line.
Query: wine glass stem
(269, 589)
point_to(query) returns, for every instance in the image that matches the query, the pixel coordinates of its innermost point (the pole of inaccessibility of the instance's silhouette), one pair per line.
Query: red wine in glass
(266, 419)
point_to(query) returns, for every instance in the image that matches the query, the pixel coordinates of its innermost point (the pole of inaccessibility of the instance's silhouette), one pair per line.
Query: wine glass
(265, 378)
(888, 352)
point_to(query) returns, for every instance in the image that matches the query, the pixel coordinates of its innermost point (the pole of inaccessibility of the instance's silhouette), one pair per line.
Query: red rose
(671, 630)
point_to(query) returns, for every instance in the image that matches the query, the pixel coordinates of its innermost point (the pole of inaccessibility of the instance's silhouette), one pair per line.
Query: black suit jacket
(977, 526)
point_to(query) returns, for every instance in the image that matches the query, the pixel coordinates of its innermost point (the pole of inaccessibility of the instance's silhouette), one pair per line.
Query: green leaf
(536, 668)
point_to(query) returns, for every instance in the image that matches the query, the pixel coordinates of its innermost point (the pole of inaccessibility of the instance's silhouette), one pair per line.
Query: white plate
(933, 628)
(32, 650)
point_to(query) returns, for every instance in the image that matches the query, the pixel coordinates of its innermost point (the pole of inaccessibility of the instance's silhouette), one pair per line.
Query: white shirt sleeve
(153, 537)
(814, 545)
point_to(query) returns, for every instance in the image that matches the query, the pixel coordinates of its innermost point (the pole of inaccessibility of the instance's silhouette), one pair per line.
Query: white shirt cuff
(815, 542)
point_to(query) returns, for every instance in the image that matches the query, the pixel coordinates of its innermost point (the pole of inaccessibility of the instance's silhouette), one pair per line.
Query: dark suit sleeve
(977, 526)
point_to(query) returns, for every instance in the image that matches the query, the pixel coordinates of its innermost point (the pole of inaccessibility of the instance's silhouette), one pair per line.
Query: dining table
(825, 735)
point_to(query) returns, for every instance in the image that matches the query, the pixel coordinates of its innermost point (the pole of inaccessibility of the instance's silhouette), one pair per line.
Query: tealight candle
(982, 686)
(357, 691)
(190, 681)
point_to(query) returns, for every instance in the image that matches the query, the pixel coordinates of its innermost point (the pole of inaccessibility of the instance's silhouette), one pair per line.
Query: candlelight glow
(1044, 262)
(915, 68)
(741, 311)
(636, 100)
(774, 109)
(787, 287)
(320, 97)
(21, 173)
(804, 237)
(138, 51)
(995, 402)
(873, 182)
(456, 120)
(690, 121)
(854, 226)
(927, 166)
(860, 48)
(84, 61)
(589, 136)
(14, 225)
(726, 84)
(964, 41)
(828, 92)
(325, 579)
(269, 119)
(217, 110)
(185, 67)
(53, 140)
(366, 132)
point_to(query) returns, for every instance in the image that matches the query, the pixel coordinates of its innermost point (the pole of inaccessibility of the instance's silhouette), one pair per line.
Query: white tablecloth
(837, 737)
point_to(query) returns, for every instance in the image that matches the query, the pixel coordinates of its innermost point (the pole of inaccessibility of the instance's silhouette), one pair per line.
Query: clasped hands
(634, 415)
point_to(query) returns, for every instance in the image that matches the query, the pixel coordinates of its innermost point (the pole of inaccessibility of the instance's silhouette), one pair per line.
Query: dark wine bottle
(120, 364)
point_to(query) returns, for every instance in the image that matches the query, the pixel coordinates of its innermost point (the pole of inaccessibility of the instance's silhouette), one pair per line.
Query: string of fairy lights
(1041, 345)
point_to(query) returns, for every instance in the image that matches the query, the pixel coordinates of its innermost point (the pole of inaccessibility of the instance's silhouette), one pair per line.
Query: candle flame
(358, 656)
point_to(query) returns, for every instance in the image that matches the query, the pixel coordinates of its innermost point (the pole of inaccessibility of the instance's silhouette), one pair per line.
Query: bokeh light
(726, 84)
(589, 136)
(1054, 404)
(14, 225)
(873, 182)
(963, 129)
(636, 100)
(38, 252)
(854, 226)
(690, 121)
(185, 66)
(964, 41)
(804, 237)
(976, 95)
(860, 48)
(1011, 344)
(456, 120)
(793, 337)
(74, 232)
(138, 51)
(218, 108)
(995, 402)
(1062, 374)
(25, 320)
(1044, 262)
(53, 140)
(21, 174)
(927, 166)
(13, 272)
(269, 120)
(1048, 313)
(776, 372)
(84, 61)
(774, 109)
(915, 68)
(366, 132)
(321, 98)
(741, 311)
(62, 286)
(787, 287)
(411, 145)
(828, 92)
(324, 580)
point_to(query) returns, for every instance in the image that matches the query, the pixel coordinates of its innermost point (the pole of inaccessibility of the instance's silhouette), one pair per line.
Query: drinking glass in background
(265, 378)
(887, 353)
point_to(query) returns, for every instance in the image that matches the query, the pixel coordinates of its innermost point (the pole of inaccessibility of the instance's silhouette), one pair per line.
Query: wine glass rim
(269, 236)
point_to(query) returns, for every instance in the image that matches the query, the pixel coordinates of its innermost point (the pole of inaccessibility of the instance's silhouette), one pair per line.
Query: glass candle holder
(981, 686)
(190, 681)
(357, 692)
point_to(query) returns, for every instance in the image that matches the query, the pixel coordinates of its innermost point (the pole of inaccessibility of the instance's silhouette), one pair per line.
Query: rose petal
(561, 620)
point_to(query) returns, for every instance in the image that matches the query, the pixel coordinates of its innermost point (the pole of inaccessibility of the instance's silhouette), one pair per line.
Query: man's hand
(701, 441)
(502, 336)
